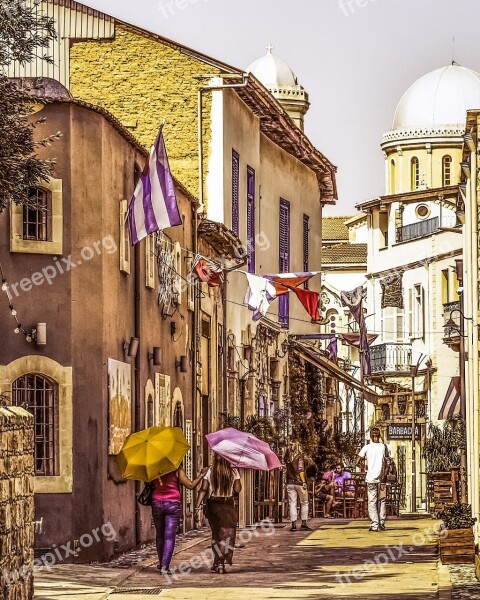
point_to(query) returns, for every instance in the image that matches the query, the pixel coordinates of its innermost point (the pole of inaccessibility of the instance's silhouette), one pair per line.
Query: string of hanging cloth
(262, 289)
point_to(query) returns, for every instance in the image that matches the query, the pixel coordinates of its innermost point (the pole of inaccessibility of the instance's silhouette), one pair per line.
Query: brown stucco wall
(89, 312)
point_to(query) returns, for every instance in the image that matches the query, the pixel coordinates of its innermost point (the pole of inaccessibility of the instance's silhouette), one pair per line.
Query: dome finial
(269, 48)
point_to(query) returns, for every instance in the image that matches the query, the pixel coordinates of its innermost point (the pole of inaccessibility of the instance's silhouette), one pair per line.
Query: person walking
(166, 513)
(219, 484)
(297, 490)
(374, 453)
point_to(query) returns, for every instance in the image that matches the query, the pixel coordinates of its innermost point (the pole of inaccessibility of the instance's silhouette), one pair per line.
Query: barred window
(414, 174)
(38, 395)
(37, 216)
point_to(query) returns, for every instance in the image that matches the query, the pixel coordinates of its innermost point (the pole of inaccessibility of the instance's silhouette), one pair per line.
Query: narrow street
(336, 559)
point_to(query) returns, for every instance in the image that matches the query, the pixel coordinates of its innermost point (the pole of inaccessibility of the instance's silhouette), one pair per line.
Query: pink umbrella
(243, 450)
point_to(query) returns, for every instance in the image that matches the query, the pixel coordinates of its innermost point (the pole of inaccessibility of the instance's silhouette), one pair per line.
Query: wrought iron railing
(390, 357)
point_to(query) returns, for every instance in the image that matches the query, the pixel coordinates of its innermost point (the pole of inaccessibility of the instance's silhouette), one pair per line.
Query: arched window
(392, 177)
(447, 170)
(37, 216)
(38, 394)
(414, 174)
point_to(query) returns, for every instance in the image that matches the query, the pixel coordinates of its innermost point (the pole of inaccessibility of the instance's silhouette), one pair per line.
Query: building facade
(413, 250)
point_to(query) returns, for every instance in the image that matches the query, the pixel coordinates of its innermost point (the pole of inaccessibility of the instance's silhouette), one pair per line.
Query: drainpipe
(137, 287)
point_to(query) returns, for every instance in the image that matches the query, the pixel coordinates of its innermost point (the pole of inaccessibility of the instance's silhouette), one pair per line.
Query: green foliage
(23, 33)
(458, 516)
(444, 444)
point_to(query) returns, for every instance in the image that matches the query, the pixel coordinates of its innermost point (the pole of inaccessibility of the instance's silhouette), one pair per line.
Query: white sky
(354, 57)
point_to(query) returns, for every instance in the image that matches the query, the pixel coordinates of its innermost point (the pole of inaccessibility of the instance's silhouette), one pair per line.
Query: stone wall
(142, 80)
(16, 503)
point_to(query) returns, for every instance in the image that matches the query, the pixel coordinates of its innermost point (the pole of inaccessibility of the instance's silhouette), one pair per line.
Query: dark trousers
(166, 516)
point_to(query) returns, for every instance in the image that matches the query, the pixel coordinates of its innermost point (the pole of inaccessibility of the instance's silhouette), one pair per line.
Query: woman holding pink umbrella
(219, 484)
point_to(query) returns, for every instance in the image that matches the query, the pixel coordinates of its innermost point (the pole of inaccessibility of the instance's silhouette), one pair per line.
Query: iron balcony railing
(424, 228)
(391, 357)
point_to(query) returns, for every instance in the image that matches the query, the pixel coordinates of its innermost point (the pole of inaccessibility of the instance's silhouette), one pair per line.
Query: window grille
(38, 395)
(36, 216)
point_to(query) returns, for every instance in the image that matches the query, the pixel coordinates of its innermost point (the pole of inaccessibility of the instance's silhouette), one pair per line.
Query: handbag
(388, 472)
(145, 496)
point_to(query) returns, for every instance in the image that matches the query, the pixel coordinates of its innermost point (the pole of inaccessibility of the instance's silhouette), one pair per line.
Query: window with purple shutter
(235, 181)
(284, 259)
(251, 219)
(306, 269)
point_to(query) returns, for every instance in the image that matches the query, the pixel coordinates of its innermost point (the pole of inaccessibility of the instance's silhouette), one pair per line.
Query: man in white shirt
(374, 453)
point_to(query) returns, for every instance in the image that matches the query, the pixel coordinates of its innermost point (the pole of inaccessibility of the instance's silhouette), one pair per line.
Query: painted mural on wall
(119, 403)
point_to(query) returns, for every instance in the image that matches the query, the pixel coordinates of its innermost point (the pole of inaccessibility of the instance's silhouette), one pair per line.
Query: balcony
(391, 358)
(424, 228)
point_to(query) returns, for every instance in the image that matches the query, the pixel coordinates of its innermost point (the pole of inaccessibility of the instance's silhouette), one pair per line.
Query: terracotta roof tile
(334, 228)
(351, 254)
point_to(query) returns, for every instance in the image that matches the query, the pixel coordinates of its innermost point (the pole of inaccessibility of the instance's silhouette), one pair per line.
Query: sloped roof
(334, 228)
(345, 254)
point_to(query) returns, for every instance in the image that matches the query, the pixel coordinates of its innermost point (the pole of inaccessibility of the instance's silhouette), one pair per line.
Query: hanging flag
(353, 339)
(154, 204)
(208, 271)
(392, 294)
(260, 294)
(283, 282)
(452, 402)
(309, 301)
(353, 300)
(332, 350)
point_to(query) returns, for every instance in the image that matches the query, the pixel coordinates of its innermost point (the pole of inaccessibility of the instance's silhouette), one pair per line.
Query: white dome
(438, 101)
(272, 71)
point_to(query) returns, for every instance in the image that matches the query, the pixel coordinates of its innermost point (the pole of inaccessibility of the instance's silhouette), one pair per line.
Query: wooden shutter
(284, 259)
(306, 240)
(235, 183)
(251, 219)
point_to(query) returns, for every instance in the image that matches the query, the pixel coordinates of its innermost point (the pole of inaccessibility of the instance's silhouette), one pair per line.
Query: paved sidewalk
(338, 559)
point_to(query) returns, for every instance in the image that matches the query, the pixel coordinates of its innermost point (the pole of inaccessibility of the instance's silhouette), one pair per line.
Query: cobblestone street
(337, 559)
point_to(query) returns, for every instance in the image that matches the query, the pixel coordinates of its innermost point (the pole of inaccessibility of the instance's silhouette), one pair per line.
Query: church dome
(272, 71)
(436, 104)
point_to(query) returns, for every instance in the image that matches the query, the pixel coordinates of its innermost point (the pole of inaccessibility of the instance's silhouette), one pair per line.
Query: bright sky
(354, 57)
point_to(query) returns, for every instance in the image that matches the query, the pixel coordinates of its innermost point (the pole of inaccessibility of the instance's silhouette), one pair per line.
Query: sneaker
(293, 527)
(372, 528)
(164, 570)
(381, 527)
(305, 527)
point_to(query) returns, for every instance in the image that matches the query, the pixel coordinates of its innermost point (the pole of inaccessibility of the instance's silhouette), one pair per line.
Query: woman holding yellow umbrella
(155, 454)
(166, 512)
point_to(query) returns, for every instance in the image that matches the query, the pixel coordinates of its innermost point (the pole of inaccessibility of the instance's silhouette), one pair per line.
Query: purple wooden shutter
(235, 180)
(251, 219)
(306, 220)
(284, 259)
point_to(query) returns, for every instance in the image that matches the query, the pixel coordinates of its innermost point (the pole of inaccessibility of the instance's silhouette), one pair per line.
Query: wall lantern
(131, 348)
(182, 364)
(155, 356)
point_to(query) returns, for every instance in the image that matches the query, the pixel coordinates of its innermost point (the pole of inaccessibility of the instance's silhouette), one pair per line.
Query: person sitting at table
(322, 492)
(328, 479)
(339, 477)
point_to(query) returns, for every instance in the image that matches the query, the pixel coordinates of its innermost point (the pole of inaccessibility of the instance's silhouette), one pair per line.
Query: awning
(321, 362)
(451, 405)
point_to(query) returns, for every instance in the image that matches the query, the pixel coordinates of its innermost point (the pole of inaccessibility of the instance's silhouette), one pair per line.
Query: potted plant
(442, 451)
(457, 544)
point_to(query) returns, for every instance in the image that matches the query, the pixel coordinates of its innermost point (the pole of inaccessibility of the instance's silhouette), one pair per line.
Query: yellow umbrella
(152, 452)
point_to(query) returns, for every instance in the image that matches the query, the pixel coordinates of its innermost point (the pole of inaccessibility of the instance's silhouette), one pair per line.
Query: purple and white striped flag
(154, 204)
